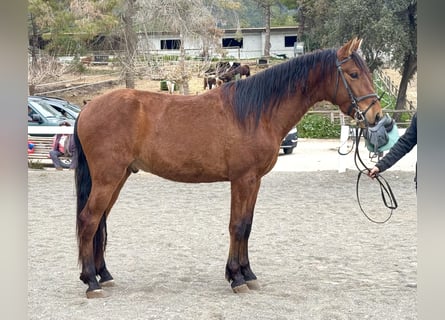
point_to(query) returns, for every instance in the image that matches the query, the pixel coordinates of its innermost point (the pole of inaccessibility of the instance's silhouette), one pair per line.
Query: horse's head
(354, 90)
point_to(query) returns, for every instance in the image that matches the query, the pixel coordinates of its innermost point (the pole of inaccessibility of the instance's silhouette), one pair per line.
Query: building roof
(263, 29)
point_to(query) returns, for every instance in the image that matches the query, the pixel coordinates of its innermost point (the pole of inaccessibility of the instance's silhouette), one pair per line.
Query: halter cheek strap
(359, 114)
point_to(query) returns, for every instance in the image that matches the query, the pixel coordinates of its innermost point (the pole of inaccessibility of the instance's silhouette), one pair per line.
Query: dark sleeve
(404, 145)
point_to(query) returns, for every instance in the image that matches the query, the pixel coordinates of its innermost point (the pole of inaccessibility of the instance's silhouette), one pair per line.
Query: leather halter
(359, 115)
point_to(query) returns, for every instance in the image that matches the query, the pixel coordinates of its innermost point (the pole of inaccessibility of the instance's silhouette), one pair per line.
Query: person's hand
(373, 172)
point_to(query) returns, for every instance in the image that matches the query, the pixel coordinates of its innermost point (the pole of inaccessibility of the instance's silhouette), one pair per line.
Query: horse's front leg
(244, 193)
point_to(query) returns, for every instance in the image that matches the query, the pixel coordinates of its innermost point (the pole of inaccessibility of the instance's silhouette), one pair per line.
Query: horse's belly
(184, 171)
(207, 162)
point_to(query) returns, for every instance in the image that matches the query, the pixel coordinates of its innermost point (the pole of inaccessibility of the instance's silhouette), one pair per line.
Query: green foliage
(169, 57)
(164, 87)
(35, 164)
(317, 126)
(388, 101)
(405, 117)
(77, 66)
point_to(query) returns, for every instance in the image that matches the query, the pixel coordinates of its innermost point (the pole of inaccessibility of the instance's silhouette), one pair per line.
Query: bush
(35, 164)
(317, 126)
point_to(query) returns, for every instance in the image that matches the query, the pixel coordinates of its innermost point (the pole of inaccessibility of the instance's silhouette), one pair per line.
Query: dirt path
(315, 254)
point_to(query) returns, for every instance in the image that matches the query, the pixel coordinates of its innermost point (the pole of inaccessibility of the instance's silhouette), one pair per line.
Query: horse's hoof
(241, 289)
(108, 283)
(98, 293)
(253, 284)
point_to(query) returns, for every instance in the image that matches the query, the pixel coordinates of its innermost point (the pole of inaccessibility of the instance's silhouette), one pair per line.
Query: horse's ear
(359, 44)
(351, 46)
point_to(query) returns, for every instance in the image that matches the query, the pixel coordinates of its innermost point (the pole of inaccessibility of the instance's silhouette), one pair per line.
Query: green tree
(404, 50)
(266, 6)
(66, 27)
(44, 23)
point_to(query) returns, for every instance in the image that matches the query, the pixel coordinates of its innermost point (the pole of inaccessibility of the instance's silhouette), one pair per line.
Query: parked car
(290, 141)
(42, 114)
(69, 110)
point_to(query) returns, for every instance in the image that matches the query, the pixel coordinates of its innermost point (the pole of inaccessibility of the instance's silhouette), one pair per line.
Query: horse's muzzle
(382, 136)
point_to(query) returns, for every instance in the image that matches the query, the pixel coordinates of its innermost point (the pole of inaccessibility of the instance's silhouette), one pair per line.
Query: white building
(246, 43)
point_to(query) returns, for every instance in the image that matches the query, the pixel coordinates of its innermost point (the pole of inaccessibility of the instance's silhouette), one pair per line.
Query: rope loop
(388, 198)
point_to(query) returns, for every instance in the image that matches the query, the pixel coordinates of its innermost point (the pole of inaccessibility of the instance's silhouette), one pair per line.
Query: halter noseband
(359, 115)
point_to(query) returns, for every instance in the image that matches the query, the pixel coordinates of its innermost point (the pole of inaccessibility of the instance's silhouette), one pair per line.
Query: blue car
(42, 114)
(67, 109)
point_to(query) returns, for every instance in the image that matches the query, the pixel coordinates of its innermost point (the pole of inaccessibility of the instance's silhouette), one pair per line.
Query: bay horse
(242, 70)
(210, 82)
(127, 130)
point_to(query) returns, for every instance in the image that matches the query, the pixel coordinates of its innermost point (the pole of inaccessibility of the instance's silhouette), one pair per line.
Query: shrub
(35, 164)
(317, 126)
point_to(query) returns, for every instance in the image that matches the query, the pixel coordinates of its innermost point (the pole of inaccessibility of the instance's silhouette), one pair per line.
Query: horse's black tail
(82, 181)
(83, 190)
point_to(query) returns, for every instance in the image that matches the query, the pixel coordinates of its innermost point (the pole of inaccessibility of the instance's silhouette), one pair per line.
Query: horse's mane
(262, 92)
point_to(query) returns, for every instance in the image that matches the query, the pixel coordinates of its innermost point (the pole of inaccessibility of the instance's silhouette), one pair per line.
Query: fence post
(344, 134)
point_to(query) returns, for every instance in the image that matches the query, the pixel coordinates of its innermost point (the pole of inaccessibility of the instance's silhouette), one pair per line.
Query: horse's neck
(290, 112)
(292, 109)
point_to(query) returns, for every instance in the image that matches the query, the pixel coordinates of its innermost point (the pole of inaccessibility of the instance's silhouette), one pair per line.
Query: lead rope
(388, 197)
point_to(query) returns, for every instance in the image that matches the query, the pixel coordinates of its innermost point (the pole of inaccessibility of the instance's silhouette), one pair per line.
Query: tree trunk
(34, 50)
(130, 44)
(183, 68)
(267, 36)
(410, 60)
(34, 42)
(409, 69)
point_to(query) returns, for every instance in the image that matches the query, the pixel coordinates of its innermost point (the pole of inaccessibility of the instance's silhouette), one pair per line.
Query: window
(232, 42)
(170, 44)
(289, 41)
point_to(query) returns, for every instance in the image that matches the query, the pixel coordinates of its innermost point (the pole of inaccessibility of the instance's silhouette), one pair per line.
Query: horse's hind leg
(100, 240)
(238, 272)
(92, 231)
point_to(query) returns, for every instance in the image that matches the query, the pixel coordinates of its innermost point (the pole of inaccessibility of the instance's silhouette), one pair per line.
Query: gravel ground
(315, 254)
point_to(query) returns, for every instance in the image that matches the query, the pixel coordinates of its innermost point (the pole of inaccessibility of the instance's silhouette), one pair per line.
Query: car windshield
(71, 107)
(45, 110)
(62, 104)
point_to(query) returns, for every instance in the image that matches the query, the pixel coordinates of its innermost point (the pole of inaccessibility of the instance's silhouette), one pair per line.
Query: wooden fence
(337, 117)
(390, 87)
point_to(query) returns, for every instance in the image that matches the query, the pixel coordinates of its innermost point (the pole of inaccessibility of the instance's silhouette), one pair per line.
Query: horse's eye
(354, 75)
